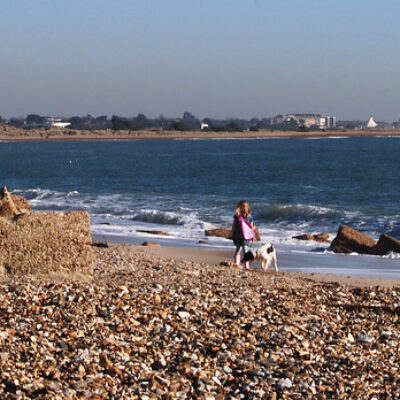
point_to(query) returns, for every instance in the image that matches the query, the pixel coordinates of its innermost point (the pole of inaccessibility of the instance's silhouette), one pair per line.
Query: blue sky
(220, 58)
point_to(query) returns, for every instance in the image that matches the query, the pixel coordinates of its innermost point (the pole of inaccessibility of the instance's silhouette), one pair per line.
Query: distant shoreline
(56, 134)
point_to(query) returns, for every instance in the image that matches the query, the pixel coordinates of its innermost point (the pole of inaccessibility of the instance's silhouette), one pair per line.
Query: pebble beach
(145, 325)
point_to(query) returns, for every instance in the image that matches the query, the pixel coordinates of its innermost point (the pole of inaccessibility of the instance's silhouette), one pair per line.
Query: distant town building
(204, 126)
(331, 122)
(46, 122)
(305, 120)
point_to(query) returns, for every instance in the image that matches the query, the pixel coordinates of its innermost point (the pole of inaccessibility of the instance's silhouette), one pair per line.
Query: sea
(184, 187)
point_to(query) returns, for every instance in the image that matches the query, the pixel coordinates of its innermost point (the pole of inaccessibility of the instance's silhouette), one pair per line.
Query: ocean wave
(190, 220)
(159, 217)
(38, 194)
(46, 199)
(395, 232)
(294, 213)
(118, 207)
(299, 217)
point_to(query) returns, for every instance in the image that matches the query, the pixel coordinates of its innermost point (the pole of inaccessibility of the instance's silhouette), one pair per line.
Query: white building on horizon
(371, 122)
(47, 122)
(56, 122)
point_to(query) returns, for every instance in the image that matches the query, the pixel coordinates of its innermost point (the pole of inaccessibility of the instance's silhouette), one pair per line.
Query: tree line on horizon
(188, 122)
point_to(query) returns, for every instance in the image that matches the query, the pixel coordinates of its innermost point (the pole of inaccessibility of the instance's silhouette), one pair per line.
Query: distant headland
(36, 127)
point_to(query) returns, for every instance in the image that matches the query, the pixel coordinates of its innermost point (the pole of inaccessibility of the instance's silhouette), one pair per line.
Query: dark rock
(159, 364)
(151, 244)
(319, 237)
(322, 237)
(257, 373)
(227, 233)
(385, 244)
(160, 233)
(221, 232)
(349, 240)
(305, 236)
(100, 244)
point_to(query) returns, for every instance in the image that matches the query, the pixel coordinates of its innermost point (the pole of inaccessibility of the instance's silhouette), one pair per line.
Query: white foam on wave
(298, 211)
(326, 137)
(182, 219)
(392, 256)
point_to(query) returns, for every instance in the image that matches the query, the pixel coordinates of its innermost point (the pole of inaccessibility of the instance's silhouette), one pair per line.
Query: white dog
(265, 253)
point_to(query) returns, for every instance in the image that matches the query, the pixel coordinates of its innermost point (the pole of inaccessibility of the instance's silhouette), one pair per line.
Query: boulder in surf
(349, 240)
(386, 244)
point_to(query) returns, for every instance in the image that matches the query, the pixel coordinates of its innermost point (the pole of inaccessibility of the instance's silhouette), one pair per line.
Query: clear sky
(214, 58)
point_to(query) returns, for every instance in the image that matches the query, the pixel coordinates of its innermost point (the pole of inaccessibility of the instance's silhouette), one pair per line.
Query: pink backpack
(247, 230)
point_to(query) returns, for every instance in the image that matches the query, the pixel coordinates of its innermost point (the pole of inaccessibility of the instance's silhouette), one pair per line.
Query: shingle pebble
(187, 330)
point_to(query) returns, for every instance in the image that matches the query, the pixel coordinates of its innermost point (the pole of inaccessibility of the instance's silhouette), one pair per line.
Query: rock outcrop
(151, 244)
(39, 242)
(151, 232)
(349, 240)
(227, 233)
(220, 232)
(12, 205)
(319, 237)
(386, 244)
